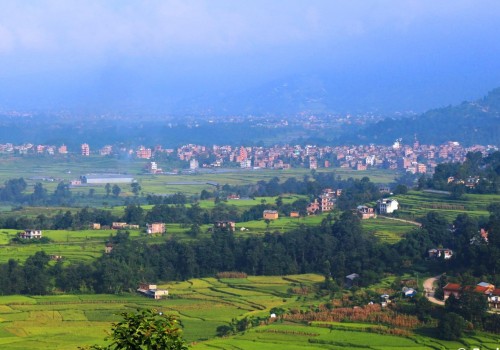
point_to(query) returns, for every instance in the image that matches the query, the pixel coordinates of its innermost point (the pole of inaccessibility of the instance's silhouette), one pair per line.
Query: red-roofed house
(452, 288)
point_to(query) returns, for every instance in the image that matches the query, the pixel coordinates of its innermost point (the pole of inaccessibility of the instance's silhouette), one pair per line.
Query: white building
(30, 234)
(387, 205)
(193, 164)
(246, 164)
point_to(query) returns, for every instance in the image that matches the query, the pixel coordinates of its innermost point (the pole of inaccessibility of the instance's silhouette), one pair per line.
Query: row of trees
(357, 191)
(334, 249)
(14, 191)
(344, 245)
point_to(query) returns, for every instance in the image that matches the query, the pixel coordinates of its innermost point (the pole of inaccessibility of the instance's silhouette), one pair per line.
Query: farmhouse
(313, 207)
(30, 234)
(123, 226)
(103, 179)
(108, 248)
(440, 252)
(351, 280)
(225, 224)
(155, 227)
(151, 291)
(270, 214)
(325, 201)
(365, 212)
(485, 288)
(387, 205)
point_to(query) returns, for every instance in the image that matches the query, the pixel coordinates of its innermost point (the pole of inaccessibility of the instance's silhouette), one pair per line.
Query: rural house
(225, 224)
(155, 227)
(152, 291)
(270, 214)
(30, 234)
(365, 212)
(440, 252)
(387, 205)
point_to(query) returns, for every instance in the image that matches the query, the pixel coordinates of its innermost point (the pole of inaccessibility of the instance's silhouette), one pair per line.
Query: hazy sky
(56, 53)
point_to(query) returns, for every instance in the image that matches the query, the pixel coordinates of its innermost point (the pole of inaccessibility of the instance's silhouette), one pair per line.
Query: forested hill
(469, 123)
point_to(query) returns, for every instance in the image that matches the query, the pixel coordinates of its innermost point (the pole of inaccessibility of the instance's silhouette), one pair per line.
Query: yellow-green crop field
(65, 168)
(387, 230)
(70, 321)
(338, 336)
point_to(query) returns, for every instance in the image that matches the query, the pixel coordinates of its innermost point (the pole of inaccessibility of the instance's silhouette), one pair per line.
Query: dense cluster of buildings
(414, 158)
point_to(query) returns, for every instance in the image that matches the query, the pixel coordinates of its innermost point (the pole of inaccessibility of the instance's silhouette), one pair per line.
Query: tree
(62, 193)
(205, 195)
(39, 194)
(224, 330)
(134, 214)
(108, 189)
(136, 188)
(37, 278)
(401, 189)
(145, 329)
(116, 190)
(451, 326)
(279, 202)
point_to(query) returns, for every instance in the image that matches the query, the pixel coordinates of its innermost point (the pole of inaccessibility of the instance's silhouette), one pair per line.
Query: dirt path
(402, 220)
(429, 290)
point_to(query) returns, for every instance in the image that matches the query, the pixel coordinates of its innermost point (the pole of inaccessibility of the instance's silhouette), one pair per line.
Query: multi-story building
(387, 205)
(155, 228)
(193, 164)
(63, 149)
(85, 150)
(144, 153)
(30, 234)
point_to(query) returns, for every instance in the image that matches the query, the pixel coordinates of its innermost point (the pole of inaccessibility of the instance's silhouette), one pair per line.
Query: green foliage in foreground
(145, 329)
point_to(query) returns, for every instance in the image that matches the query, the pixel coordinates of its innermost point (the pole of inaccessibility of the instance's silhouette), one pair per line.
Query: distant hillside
(324, 92)
(470, 123)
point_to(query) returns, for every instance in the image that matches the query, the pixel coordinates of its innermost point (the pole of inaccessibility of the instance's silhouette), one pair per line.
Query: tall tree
(116, 190)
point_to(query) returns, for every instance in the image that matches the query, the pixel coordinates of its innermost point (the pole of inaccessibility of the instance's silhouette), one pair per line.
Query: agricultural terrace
(87, 245)
(418, 204)
(73, 246)
(336, 335)
(70, 321)
(387, 230)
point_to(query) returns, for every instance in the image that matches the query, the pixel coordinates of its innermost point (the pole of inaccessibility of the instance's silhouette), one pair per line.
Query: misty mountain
(324, 93)
(476, 122)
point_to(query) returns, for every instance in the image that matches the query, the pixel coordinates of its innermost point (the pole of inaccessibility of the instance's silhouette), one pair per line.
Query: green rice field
(338, 336)
(389, 231)
(51, 170)
(418, 204)
(70, 321)
(202, 305)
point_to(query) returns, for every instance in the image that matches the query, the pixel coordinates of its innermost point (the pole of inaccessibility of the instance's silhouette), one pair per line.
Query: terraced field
(338, 336)
(389, 231)
(417, 204)
(69, 321)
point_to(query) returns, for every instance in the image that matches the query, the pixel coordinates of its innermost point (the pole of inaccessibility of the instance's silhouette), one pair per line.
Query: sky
(170, 54)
